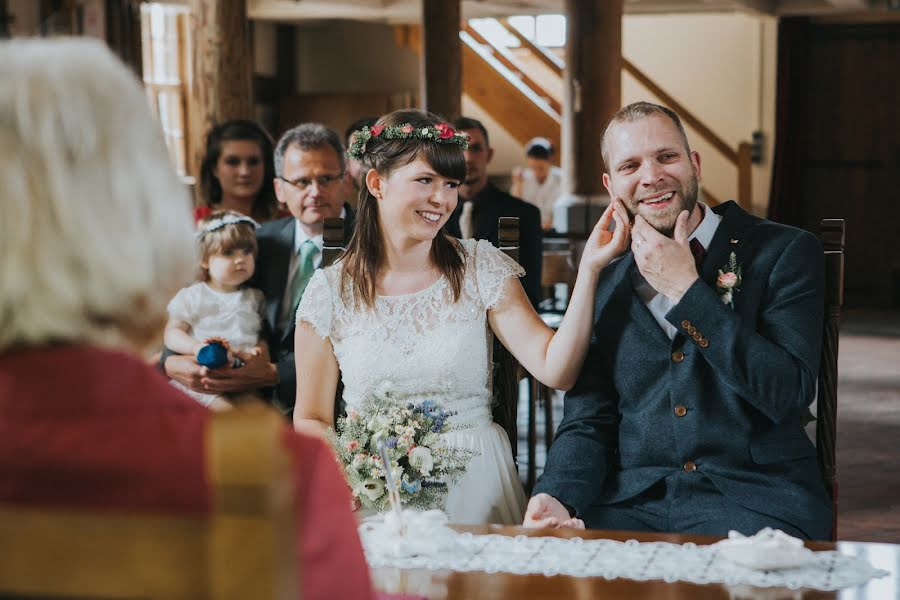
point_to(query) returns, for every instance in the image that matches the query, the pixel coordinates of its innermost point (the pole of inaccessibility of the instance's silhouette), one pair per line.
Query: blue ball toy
(213, 355)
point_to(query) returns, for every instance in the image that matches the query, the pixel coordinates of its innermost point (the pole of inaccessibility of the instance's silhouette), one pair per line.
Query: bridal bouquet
(420, 464)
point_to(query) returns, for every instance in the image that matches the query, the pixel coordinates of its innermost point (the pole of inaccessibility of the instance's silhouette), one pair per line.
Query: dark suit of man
(489, 206)
(719, 406)
(276, 245)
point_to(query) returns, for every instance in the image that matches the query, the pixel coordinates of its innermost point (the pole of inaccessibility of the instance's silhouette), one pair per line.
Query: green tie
(305, 270)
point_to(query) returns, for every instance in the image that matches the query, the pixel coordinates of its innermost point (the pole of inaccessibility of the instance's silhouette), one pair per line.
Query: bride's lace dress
(429, 347)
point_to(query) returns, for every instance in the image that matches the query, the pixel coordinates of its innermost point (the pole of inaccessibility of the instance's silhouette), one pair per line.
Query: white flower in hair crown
(221, 222)
(442, 133)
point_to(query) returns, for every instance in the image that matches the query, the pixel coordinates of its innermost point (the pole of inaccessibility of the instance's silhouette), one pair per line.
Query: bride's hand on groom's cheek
(546, 511)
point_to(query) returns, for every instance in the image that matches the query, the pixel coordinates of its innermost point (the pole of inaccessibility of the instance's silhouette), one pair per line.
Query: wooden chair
(557, 267)
(245, 548)
(505, 403)
(832, 236)
(334, 242)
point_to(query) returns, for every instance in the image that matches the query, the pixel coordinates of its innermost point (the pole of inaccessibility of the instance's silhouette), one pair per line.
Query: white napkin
(414, 533)
(768, 550)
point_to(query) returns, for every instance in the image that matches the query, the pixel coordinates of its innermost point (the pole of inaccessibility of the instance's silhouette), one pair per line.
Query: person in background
(353, 176)
(540, 183)
(96, 235)
(237, 172)
(481, 204)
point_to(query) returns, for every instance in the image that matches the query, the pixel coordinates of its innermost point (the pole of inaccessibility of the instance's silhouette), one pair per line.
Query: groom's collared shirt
(659, 304)
(285, 318)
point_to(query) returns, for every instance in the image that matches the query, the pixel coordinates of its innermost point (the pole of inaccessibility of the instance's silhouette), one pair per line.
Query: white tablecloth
(611, 559)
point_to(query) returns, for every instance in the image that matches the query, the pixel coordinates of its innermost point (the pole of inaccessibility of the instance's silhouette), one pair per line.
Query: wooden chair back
(832, 236)
(245, 548)
(334, 242)
(505, 403)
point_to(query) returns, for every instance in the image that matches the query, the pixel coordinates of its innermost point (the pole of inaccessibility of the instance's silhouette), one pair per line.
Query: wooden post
(123, 32)
(220, 80)
(592, 92)
(745, 175)
(441, 66)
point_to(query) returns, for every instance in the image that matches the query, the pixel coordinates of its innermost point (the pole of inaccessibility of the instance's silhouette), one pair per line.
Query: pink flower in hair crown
(376, 130)
(407, 128)
(446, 130)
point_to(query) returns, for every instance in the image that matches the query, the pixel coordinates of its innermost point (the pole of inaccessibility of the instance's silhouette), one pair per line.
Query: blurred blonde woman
(96, 235)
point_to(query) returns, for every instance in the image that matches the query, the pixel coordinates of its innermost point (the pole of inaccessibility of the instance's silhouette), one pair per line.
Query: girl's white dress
(235, 316)
(426, 346)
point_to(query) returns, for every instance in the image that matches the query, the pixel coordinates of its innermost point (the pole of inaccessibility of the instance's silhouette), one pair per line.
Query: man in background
(481, 204)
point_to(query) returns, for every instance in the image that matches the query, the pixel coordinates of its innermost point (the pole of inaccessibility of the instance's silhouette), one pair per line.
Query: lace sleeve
(492, 269)
(316, 306)
(181, 308)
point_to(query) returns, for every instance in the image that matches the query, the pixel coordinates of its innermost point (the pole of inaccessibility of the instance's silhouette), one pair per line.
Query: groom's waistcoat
(724, 399)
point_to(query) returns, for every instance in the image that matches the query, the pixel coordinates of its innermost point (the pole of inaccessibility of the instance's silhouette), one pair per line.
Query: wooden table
(450, 585)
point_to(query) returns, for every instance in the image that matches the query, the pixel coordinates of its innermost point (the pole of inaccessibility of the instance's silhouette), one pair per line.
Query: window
(165, 54)
(548, 31)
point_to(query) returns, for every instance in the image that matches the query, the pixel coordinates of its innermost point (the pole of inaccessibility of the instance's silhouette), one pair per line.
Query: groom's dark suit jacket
(276, 243)
(745, 387)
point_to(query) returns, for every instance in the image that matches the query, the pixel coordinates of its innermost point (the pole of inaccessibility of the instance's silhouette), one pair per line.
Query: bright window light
(550, 30)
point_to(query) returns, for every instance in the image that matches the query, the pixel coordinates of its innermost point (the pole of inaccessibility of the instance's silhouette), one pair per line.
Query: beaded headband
(442, 133)
(224, 220)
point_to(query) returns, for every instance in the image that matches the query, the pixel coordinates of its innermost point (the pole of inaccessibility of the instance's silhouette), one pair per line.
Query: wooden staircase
(522, 89)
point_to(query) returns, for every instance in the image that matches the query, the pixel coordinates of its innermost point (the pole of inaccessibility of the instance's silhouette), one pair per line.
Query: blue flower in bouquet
(411, 433)
(411, 487)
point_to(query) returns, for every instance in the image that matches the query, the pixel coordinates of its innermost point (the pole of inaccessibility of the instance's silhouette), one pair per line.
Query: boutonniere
(729, 280)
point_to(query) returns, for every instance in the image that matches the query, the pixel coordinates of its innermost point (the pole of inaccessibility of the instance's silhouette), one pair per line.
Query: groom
(687, 415)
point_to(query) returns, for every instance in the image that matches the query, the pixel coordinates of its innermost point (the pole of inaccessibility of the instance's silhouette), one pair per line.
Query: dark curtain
(790, 134)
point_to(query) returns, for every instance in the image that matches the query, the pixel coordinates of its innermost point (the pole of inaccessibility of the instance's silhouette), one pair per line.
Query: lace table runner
(612, 559)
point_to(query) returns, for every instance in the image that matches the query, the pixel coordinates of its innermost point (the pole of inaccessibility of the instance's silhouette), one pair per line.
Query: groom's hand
(546, 511)
(666, 263)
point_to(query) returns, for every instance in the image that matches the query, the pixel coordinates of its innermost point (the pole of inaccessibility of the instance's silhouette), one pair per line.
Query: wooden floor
(868, 436)
(868, 439)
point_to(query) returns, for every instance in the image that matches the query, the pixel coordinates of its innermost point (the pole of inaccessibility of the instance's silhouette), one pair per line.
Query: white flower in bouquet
(373, 489)
(411, 434)
(422, 460)
(384, 390)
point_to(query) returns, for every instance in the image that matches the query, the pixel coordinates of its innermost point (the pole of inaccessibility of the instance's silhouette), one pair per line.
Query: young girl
(410, 306)
(218, 308)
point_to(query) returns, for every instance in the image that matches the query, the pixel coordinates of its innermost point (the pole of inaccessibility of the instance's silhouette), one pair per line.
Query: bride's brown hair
(365, 257)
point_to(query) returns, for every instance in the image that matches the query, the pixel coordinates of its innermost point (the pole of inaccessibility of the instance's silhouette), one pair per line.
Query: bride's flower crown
(442, 133)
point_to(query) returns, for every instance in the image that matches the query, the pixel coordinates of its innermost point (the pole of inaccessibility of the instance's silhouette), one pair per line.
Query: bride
(411, 306)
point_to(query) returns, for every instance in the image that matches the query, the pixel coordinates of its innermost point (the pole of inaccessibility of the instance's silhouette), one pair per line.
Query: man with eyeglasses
(309, 169)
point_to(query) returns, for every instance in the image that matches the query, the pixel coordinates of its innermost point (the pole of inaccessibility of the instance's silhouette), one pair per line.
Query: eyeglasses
(323, 181)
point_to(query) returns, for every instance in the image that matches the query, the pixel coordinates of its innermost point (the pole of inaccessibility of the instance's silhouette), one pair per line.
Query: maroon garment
(82, 427)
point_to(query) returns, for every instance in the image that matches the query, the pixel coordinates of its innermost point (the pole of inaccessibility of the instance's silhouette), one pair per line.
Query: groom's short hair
(634, 112)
